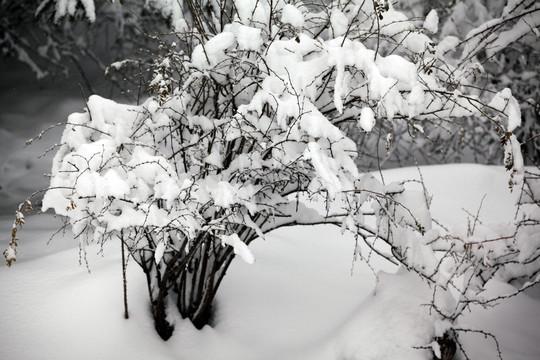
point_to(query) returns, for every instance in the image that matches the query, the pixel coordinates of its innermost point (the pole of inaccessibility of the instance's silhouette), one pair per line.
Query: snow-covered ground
(304, 298)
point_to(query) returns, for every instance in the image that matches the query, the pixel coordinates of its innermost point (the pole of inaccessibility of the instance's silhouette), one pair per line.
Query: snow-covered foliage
(506, 44)
(63, 8)
(242, 136)
(497, 43)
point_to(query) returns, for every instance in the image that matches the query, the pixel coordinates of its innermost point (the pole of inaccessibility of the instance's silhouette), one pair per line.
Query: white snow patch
(431, 22)
(367, 119)
(504, 102)
(249, 38)
(339, 22)
(240, 248)
(160, 250)
(291, 15)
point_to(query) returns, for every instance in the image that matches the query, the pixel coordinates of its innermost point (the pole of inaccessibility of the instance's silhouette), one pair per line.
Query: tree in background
(60, 38)
(245, 134)
(499, 40)
(505, 40)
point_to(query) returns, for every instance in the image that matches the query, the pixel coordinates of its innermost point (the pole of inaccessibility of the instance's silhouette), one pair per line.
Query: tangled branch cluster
(244, 133)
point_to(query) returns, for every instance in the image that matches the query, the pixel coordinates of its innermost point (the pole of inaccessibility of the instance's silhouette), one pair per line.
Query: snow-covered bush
(242, 136)
(499, 42)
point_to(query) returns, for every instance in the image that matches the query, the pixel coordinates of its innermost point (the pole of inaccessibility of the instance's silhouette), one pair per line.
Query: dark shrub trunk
(189, 279)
